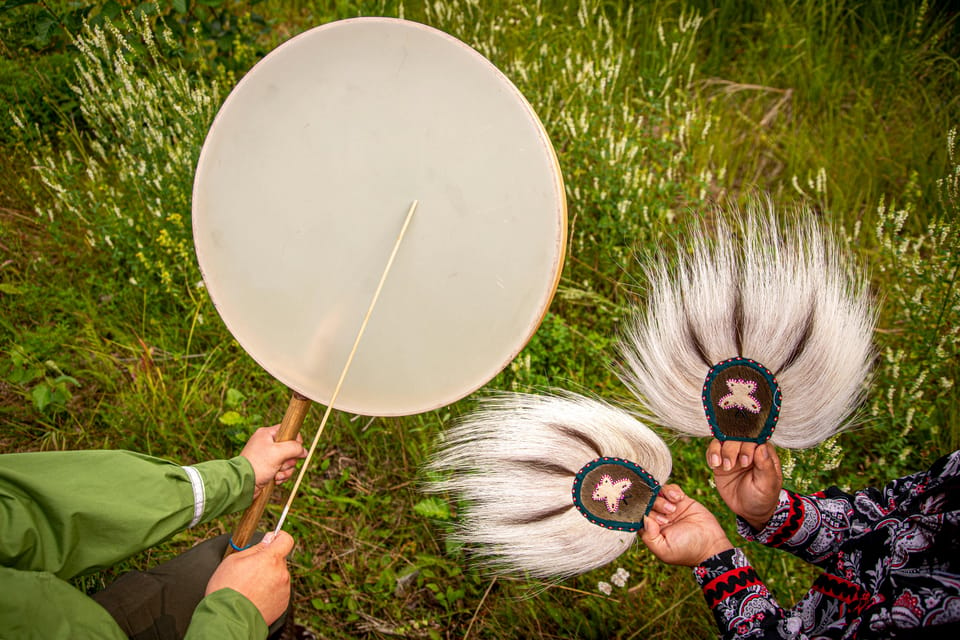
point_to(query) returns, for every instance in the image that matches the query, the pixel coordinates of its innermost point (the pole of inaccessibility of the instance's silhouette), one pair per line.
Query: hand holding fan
(757, 304)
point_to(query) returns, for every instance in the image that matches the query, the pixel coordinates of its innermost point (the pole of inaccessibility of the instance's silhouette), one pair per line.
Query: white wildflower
(620, 577)
(796, 185)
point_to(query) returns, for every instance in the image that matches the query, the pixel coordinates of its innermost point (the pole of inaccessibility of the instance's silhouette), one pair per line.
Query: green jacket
(63, 514)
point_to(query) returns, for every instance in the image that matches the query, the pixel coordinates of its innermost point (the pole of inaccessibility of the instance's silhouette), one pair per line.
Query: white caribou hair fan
(549, 485)
(759, 329)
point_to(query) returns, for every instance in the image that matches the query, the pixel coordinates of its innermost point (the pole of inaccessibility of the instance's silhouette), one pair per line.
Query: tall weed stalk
(913, 408)
(125, 177)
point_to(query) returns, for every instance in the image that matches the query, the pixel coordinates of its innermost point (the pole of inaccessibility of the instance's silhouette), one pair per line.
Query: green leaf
(344, 500)
(24, 374)
(111, 9)
(232, 419)
(63, 381)
(41, 396)
(59, 396)
(180, 6)
(234, 398)
(43, 29)
(433, 508)
(13, 290)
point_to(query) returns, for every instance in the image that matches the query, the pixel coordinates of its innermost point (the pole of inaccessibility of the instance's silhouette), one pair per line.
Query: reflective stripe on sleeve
(199, 495)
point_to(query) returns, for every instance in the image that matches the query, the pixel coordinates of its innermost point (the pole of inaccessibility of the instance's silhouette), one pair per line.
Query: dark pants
(157, 604)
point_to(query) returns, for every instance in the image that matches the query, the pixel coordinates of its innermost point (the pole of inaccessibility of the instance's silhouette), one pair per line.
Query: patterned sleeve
(813, 527)
(742, 605)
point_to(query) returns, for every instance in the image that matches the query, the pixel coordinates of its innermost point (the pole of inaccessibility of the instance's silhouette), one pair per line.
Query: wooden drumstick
(289, 428)
(297, 410)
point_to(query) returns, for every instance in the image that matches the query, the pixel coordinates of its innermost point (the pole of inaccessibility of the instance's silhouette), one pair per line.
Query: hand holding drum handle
(289, 428)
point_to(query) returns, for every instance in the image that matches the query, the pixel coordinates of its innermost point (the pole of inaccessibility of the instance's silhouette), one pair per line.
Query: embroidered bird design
(740, 396)
(611, 492)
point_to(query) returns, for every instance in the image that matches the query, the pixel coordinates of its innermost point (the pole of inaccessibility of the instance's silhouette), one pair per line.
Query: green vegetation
(656, 111)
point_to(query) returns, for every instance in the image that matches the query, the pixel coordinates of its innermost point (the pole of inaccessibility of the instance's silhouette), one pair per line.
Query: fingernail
(662, 520)
(676, 495)
(668, 507)
(714, 460)
(268, 538)
(744, 460)
(727, 465)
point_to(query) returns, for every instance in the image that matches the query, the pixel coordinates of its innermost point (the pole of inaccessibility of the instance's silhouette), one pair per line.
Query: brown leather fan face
(742, 401)
(614, 493)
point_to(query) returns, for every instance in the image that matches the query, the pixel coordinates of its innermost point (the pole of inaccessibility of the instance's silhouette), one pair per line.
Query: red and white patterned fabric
(891, 561)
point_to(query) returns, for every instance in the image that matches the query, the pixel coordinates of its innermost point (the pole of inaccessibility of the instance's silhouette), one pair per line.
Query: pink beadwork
(611, 492)
(740, 396)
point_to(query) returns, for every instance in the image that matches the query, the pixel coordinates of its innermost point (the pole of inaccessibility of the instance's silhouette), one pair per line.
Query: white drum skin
(301, 189)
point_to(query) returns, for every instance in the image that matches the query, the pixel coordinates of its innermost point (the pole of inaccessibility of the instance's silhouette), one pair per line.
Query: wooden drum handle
(289, 428)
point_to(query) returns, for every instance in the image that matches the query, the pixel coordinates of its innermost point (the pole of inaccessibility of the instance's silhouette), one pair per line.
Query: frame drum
(302, 187)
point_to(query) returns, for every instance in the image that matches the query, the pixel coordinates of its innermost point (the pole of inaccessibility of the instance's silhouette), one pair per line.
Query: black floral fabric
(890, 556)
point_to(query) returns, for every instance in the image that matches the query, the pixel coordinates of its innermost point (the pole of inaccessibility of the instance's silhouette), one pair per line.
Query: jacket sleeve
(742, 605)
(226, 615)
(74, 512)
(37, 604)
(811, 527)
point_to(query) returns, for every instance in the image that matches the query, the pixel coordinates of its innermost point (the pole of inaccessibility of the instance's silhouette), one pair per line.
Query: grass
(832, 88)
(656, 113)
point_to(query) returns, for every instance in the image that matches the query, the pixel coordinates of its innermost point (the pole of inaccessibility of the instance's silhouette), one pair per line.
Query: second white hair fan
(549, 485)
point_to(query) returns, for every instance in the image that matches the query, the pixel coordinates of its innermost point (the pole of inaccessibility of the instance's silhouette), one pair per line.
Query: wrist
(759, 523)
(758, 519)
(717, 546)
